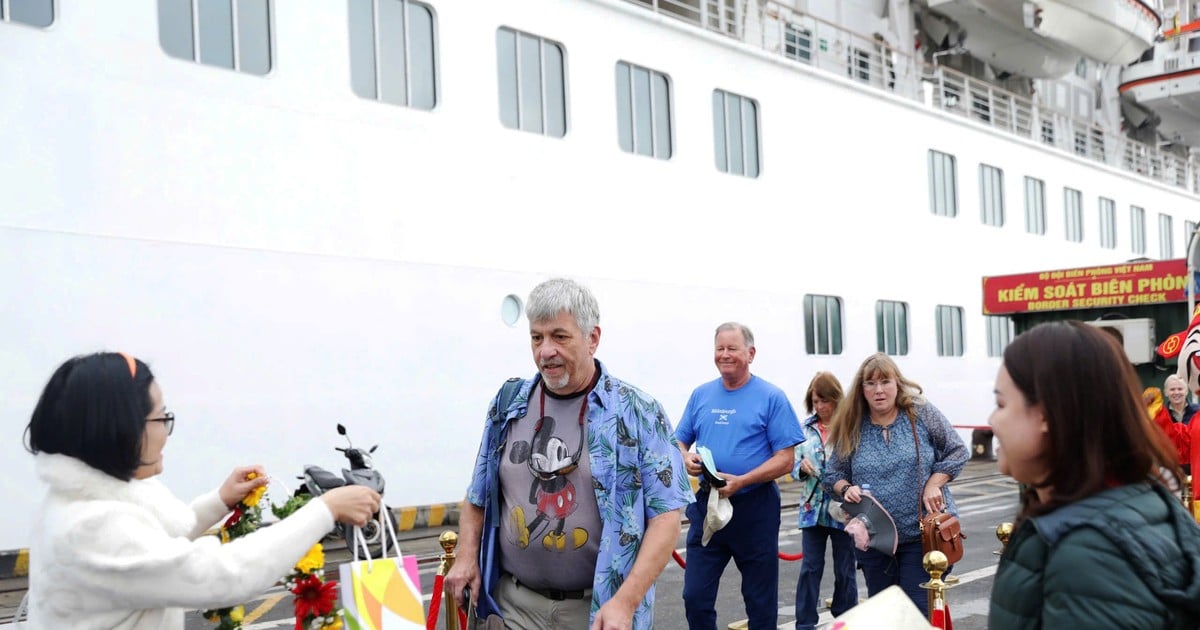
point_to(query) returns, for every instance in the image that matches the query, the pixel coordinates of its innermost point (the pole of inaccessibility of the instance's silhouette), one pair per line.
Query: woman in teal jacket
(823, 395)
(1100, 540)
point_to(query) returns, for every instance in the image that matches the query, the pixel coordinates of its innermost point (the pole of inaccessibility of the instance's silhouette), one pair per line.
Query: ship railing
(780, 29)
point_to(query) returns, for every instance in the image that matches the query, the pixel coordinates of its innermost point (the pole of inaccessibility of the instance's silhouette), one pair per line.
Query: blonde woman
(872, 442)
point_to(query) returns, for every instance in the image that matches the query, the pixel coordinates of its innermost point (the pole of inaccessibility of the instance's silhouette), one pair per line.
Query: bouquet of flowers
(314, 599)
(246, 517)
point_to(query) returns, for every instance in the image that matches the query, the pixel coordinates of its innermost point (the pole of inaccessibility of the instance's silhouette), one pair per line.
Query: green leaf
(352, 623)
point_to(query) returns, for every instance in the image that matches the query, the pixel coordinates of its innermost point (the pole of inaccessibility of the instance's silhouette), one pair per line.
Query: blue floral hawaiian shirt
(637, 474)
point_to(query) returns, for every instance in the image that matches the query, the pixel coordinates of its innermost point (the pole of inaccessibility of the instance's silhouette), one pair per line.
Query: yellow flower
(336, 625)
(313, 560)
(224, 535)
(237, 614)
(255, 496)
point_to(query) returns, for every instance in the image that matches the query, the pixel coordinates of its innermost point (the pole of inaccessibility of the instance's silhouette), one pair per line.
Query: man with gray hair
(749, 427)
(573, 507)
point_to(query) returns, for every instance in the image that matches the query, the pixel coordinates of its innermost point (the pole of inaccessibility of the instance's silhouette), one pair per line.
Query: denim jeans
(808, 585)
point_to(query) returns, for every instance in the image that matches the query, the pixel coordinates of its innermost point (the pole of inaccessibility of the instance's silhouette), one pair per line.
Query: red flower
(234, 518)
(314, 597)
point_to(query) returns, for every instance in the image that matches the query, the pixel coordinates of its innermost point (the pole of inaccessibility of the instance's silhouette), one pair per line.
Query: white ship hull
(286, 255)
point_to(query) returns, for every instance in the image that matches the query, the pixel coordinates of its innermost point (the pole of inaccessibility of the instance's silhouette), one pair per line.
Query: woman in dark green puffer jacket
(1100, 541)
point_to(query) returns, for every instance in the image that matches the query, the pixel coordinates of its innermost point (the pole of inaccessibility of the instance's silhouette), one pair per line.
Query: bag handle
(385, 522)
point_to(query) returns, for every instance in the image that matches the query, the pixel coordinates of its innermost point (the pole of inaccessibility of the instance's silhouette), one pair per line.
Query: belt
(554, 594)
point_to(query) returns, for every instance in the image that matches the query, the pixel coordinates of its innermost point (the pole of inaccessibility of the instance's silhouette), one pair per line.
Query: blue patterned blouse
(891, 466)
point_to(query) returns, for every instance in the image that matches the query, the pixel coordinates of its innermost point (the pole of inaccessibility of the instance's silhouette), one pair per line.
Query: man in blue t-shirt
(750, 427)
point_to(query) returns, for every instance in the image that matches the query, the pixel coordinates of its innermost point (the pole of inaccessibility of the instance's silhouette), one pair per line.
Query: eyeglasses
(168, 420)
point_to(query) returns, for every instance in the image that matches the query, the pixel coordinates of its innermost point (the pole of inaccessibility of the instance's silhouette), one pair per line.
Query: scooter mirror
(373, 448)
(341, 429)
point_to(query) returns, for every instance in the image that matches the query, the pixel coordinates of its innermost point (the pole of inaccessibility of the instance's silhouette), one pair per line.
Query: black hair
(94, 410)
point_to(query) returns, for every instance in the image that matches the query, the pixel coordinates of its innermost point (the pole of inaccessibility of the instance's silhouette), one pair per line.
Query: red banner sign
(1126, 284)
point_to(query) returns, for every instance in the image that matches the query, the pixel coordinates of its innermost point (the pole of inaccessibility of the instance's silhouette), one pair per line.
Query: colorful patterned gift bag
(384, 593)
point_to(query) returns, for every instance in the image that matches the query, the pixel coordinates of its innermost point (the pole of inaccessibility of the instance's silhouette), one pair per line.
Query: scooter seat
(324, 478)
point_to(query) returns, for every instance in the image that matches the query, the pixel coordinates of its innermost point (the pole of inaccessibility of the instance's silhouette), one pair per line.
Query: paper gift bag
(382, 594)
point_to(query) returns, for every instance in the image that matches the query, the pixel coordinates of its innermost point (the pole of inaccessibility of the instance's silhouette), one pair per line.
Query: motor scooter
(318, 481)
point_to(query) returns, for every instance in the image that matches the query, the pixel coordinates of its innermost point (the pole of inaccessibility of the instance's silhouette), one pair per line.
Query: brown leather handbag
(941, 531)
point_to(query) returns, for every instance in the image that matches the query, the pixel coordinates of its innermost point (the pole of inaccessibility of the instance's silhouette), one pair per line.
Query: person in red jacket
(1179, 434)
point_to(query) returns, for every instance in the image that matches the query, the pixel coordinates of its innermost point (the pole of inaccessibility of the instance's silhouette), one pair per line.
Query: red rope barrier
(462, 619)
(435, 603)
(790, 557)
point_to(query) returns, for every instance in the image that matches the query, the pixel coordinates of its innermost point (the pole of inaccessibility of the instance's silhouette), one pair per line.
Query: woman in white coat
(112, 547)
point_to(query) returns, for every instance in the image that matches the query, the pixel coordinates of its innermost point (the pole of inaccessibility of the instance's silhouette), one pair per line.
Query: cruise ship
(310, 212)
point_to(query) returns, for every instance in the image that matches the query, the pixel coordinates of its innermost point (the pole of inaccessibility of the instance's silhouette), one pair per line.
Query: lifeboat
(1166, 80)
(1046, 38)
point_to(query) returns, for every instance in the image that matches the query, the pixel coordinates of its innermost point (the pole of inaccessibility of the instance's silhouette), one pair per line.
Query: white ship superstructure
(309, 212)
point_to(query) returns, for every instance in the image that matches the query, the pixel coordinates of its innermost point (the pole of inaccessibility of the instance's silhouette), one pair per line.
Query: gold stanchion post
(448, 541)
(1003, 533)
(935, 563)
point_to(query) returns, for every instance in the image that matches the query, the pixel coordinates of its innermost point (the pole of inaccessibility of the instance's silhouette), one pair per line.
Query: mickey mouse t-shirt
(550, 523)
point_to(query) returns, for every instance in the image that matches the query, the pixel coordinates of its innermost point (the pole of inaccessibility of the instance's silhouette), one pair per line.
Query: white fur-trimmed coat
(127, 555)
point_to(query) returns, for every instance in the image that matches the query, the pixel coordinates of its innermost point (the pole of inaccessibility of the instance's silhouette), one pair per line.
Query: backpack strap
(508, 392)
(489, 564)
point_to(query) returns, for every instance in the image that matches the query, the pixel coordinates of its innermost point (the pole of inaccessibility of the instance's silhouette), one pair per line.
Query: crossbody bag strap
(912, 422)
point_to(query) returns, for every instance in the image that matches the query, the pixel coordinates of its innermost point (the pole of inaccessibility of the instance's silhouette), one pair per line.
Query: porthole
(510, 310)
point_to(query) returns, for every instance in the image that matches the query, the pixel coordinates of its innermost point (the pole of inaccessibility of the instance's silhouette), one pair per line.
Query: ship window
(233, 34)
(891, 327)
(393, 54)
(949, 331)
(1193, 44)
(797, 43)
(991, 195)
(1081, 68)
(1108, 223)
(735, 133)
(533, 83)
(1073, 214)
(1148, 55)
(822, 324)
(1137, 229)
(943, 184)
(643, 111)
(999, 333)
(510, 310)
(1035, 206)
(38, 13)
(1166, 239)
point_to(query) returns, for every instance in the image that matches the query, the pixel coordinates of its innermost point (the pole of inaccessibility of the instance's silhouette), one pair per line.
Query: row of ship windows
(943, 201)
(824, 331)
(393, 59)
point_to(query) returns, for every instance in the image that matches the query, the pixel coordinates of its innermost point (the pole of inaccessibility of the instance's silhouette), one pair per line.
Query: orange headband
(132, 364)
